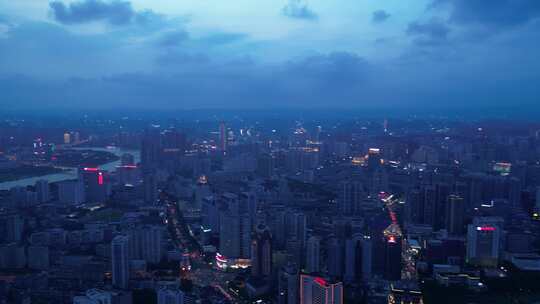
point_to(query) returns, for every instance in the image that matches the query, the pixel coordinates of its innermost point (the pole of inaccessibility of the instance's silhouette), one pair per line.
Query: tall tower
(150, 189)
(120, 261)
(313, 251)
(151, 147)
(42, 190)
(261, 252)
(288, 283)
(222, 137)
(392, 237)
(455, 215)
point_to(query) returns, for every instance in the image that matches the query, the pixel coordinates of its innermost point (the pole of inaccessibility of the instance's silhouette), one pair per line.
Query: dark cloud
(336, 80)
(113, 12)
(314, 81)
(494, 13)
(173, 39)
(379, 16)
(298, 10)
(431, 32)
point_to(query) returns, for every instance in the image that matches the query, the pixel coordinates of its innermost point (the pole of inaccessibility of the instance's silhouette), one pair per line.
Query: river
(72, 173)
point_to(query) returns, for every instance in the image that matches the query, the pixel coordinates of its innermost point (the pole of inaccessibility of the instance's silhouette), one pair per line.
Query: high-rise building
(71, 192)
(145, 243)
(174, 145)
(335, 257)
(265, 165)
(484, 241)
(42, 191)
(414, 207)
(234, 235)
(96, 184)
(222, 137)
(261, 252)
(455, 215)
(392, 253)
(429, 202)
(170, 296)
(151, 148)
(150, 189)
(366, 257)
(352, 258)
(67, 138)
(295, 227)
(351, 195)
(11, 228)
(316, 290)
(288, 283)
(313, 252)
(374, 158)
(120, 261)
(210, 214)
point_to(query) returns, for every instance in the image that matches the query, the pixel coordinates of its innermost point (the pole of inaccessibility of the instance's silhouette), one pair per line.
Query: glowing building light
(320, 281)
(485, 228)
(100, 178)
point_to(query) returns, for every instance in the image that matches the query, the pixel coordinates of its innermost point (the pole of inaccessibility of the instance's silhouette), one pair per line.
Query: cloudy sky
(349, 54)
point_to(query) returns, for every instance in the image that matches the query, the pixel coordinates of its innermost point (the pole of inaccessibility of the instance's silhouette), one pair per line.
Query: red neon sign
(100, 178)
(91, 169)
(320, 281)
(221, 258)
(486, 228)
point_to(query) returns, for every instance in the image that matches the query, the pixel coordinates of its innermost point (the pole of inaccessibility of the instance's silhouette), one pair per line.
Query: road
(202, 273)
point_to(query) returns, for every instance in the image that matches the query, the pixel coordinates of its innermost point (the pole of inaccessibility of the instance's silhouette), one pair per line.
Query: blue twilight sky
(177, 54)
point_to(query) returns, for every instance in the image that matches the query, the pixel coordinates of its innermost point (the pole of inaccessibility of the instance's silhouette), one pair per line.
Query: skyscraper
(96, 184)
(392, 253)
(484, 241)
(151, 148)
(366, 259)
(455, 215)
(335, 257)
(313, 251)
(351, 195)
(234, 235)
(261, 252)
(150, 189)
(71, 192)
(42, 190)
(222, 137)
(145, 243)
(288, 285)
(120, 261)
(316, 290)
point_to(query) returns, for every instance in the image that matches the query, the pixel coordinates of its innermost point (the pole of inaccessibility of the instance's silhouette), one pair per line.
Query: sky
(263, 54)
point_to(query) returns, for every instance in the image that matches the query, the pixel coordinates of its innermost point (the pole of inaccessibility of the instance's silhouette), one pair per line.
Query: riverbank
(72, 173)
